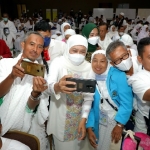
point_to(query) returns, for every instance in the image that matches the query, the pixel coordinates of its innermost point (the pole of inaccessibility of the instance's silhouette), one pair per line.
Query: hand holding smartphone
(83, 85)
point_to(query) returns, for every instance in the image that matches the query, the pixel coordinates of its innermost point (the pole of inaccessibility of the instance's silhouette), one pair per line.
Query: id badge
(103, 117)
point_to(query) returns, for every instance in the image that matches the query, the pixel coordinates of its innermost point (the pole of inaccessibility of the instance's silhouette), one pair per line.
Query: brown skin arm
(146, 96)
(38, 88)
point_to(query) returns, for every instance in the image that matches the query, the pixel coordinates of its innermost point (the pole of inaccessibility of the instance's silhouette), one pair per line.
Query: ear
(129, 53)
(22, 45)
(139, 59)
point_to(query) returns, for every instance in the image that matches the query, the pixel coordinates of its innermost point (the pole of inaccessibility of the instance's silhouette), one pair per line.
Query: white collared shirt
(140, 83)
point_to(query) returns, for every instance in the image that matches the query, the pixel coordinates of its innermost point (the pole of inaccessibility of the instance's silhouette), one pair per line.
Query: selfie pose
(69, 110)
(112, 105)
(23, 105)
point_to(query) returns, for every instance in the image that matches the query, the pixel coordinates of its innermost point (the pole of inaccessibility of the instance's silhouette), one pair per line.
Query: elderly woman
(68, 109)
(90, 31)
(68, 33)
(64, 27)
(112, 103)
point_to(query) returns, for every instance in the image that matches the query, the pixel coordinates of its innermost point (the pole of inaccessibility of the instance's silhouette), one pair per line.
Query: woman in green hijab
(90, 31)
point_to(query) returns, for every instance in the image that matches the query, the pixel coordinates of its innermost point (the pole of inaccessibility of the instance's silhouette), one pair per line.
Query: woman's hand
(61, 86)
(92, 137)
(116, 133)
(82, 129)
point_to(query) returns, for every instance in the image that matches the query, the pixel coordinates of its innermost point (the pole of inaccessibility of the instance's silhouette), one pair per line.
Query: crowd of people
(115, 54)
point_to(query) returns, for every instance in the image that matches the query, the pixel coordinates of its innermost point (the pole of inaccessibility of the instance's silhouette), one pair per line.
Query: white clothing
(135, 31)
(143, 33)
(15, 103)
(69, 32)
(61, 37)
(19, 39)
(73, 145)
(65, 110)
(9, 144)
(56, 48)
(140, 84)
(91, 20)
(54, 36)
(104, 44)
(12, 34)
(112, 33)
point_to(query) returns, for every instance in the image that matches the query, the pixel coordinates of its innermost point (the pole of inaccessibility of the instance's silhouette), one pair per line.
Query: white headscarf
(127, 40)
(69, 32)
(112, 33)
(136, 27)
(143, 33)
(98, 52)
(62, 27)
(73, 41)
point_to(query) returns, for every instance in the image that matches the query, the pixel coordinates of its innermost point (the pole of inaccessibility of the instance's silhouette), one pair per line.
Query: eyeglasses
(124, 57)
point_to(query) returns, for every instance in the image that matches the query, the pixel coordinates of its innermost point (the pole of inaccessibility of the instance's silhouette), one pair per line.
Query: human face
(102, 31)
(145, 59)
(99, 63)
(93, 33)
(119, 54)
(32, 47)
(121, 29)
(66, 27)
(78, 49)
(113, 29)
(45, 33)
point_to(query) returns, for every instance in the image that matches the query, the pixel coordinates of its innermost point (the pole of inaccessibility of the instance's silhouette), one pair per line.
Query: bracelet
(35, 98)
(119, 125)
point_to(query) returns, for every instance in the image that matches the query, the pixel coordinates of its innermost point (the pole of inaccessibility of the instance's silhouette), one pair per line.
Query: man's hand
(92, 137)
(116, 133)
(39, 85)
(61, 86)
(17, 70)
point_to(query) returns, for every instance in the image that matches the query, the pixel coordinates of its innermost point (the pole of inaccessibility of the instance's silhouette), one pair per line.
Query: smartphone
(33, 68)
(83, 85)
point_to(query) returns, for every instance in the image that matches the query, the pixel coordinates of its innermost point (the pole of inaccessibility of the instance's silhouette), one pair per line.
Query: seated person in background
(8, 144)
(112, 105)
(112, 32)
(120, 33)
(23, 105)
(68, 33)
(140, 83)
(104, 39)
(4, 50)
(19, 38)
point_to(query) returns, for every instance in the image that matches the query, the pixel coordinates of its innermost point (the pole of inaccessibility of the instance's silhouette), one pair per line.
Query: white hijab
(69, 32)
(112, 33)
(127, 40)
(62, 27)
(136, 27)
(143, 33)
(73, 41)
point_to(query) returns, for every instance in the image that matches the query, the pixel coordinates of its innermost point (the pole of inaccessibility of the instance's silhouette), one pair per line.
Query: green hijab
(86, 32)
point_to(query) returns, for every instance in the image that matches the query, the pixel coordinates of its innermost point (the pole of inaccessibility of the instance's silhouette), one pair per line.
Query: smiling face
(32, 47)
(99, 63)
